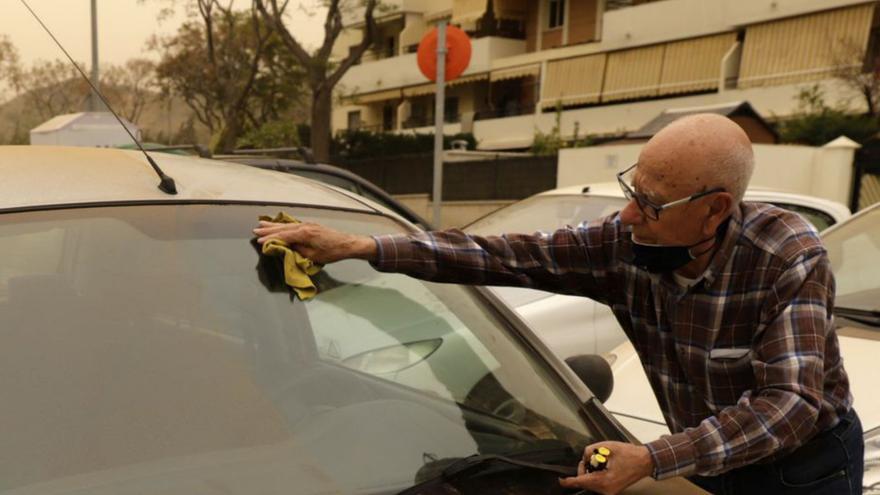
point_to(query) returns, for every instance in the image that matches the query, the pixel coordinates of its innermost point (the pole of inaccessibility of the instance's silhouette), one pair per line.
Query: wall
(551, 38)
(582, 21)
(532, 26)
(822, 172)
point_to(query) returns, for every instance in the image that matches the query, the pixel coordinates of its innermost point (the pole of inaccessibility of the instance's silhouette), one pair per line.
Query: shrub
(816, 123)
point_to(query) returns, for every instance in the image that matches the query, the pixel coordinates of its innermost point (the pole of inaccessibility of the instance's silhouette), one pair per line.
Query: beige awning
(573, 81)
(695, 64)
(805, 48)
(633, 73)
(421, 89)
(509, 9)
(467, 11)
(515, 73)
(367, 98)
(430, 88)
(468, 79)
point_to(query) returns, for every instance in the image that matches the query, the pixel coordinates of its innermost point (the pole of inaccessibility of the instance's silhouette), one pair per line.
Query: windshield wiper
(478, 464)
(868, 317)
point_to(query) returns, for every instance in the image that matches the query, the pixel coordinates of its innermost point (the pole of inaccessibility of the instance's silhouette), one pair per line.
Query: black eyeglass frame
(646, 205)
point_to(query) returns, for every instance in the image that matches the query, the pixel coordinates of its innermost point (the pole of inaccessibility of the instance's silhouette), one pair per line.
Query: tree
(130, 87)
(8, 64)
(276, 134)
(861, 73)
(54, 87)
(321, 74)
(815, 123)
(50, 88)
(231, 70)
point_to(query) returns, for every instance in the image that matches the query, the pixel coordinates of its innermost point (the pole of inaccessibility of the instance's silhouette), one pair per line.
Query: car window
(333, 180)
(546, 213)
(818, 218)
(150, 349)
(854, 251)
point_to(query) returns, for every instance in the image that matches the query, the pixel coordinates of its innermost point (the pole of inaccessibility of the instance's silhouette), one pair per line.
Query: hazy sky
(123, 27)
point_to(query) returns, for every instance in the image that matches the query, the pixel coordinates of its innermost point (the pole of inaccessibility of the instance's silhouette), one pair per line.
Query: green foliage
(816, 123)
(277, 134)
(354, 144)
(549, 143)
(546, 144)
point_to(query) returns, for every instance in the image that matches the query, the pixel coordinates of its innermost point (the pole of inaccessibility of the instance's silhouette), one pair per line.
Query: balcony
(510, 110)
(416, 121)
(402, 71)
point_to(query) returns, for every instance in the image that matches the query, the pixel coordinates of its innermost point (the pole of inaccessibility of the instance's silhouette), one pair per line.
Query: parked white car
(854, 250)
(573, 325)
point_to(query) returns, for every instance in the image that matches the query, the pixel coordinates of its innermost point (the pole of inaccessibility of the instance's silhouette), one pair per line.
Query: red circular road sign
(458, 53)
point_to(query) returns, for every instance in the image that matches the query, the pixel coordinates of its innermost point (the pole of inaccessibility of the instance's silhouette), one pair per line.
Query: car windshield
(541, 213)
(854, 251)
(818, 218)
(150, 349)
(546, 213)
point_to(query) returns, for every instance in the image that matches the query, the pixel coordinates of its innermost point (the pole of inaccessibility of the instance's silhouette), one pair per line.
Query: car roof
(869, 210)
(754, 193)
(293, 166)
(32, 176)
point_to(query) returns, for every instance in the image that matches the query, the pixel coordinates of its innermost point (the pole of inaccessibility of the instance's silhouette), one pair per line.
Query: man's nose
(631, 214)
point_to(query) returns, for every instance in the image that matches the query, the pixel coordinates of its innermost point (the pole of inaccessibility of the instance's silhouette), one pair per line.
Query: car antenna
(166, 183)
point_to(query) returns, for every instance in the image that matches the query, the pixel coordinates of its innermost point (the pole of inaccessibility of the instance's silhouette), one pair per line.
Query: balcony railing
(424, 121)
(508, 111)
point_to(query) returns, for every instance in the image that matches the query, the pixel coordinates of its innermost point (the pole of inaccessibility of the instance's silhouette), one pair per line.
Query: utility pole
(94, 102)
(439, 117)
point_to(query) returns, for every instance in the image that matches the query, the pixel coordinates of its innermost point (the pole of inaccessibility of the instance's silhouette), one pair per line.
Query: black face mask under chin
(660, 259)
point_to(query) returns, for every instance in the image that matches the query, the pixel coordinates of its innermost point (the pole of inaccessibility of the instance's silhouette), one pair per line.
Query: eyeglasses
(650, 209)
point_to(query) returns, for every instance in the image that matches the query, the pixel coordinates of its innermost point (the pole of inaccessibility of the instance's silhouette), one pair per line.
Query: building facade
(601, 67)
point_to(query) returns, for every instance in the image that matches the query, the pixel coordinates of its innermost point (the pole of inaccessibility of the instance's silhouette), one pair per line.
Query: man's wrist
(646, 462)
(364, 248)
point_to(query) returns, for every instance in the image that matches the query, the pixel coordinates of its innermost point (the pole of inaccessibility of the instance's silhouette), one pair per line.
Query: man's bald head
(696, 153)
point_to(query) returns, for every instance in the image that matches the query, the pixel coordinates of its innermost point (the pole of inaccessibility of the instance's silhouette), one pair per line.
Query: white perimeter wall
(824, 172)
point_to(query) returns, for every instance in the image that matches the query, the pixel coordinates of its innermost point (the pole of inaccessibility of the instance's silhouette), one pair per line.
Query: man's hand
(318, 243)
(627, 464)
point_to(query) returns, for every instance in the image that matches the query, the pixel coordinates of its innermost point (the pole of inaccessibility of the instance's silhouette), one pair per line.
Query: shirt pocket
(729, 374)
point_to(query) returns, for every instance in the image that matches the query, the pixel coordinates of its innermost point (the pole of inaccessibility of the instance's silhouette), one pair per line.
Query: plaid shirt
(745, 363)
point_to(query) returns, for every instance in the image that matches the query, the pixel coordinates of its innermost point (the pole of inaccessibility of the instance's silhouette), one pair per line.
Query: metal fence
(866, 185)
(503, 178)
(869, 190)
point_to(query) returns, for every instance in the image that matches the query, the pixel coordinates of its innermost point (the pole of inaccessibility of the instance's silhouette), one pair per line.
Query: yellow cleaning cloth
(297, 268)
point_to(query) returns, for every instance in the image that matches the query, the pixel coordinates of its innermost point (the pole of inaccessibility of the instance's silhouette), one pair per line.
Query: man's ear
(720, 206)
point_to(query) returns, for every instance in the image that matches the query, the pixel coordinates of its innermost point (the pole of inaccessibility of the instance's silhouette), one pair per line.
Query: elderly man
(727, 303)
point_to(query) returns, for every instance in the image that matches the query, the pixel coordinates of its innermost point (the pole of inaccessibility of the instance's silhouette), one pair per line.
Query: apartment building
(601, 67)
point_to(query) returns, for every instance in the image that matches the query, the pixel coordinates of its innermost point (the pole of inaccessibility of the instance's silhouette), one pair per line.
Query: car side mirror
(595, 372)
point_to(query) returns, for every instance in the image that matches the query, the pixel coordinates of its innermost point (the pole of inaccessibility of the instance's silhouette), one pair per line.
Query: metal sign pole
(94, 104)
(439, 114)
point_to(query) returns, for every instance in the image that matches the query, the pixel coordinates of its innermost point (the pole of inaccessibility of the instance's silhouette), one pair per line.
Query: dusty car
(147, 347)
(572, 325)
